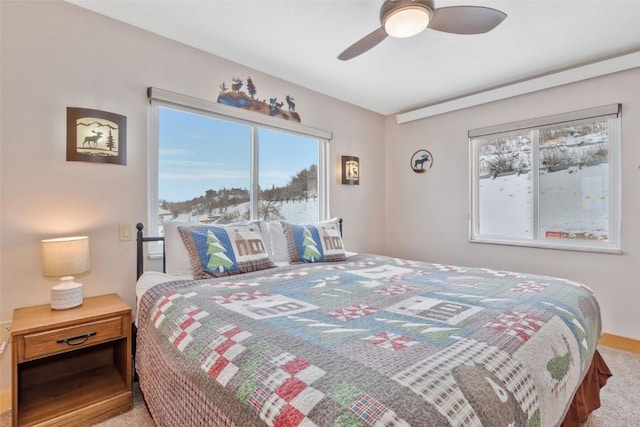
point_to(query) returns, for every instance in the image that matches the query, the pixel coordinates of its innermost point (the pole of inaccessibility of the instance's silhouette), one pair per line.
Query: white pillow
(176, 258)
(279, 253)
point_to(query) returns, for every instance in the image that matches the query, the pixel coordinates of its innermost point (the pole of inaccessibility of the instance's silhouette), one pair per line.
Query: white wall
(427, 215)
(56, 55)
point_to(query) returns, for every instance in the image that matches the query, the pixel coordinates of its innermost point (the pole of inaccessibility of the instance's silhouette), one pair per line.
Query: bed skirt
(587, 397)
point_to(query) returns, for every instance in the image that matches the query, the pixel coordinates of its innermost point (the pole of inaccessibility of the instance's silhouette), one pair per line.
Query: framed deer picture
(421, 161)
(96, 136)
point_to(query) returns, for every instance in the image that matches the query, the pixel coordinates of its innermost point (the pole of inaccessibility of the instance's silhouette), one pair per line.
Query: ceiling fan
(406, 18)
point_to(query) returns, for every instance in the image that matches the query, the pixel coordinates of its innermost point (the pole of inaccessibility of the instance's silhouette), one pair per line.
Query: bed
(330, 338)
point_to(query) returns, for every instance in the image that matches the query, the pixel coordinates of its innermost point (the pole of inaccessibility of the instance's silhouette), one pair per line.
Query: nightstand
(71, 367)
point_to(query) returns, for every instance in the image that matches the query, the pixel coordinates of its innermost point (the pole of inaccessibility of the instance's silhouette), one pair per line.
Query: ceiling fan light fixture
(406, 21)
(406, 18)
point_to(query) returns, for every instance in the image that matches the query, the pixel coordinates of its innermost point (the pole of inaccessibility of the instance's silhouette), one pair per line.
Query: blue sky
(198, 153)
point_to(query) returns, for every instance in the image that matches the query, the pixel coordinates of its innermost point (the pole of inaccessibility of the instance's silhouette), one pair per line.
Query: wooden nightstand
(71, 367)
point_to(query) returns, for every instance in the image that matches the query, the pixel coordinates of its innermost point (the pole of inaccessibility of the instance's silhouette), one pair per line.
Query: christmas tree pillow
(217, 250)
(320, 242)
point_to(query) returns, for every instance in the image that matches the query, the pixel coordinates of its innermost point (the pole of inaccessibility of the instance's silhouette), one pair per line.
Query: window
(549, 182)
(210, 163)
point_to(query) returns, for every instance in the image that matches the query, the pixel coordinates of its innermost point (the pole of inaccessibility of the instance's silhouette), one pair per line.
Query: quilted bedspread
(371, 341)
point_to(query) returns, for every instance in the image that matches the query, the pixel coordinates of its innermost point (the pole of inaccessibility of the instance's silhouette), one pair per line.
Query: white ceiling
(299, 40)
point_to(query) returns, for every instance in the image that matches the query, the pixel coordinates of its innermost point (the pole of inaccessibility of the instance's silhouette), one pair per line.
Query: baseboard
(5, 400)
(620, 343)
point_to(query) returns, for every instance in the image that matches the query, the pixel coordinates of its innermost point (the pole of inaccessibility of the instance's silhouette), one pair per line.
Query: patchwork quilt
(370, 341)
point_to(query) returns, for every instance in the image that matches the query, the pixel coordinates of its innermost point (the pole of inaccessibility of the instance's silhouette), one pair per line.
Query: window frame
(161, 98)
(614, 243)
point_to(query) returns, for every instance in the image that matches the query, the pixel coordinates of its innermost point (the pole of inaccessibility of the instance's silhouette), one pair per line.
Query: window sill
(608, 249)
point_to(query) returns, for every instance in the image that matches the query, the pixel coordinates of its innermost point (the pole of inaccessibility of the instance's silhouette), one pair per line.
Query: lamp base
(66, 294)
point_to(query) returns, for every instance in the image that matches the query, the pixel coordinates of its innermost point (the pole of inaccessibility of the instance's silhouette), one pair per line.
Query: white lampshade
(65, 256)
(407, 21)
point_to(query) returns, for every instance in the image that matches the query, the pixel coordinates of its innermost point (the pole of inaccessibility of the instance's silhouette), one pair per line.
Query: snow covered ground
(302, 211)
(572, 200)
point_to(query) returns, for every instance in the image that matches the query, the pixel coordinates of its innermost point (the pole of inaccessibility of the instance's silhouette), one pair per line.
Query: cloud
(173, 152)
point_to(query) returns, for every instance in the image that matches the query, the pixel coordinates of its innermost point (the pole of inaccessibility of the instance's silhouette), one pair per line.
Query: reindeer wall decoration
(242, 94)
(89, 139)
(292, 105)
(96, 136)
(237, 84)
(421, 161)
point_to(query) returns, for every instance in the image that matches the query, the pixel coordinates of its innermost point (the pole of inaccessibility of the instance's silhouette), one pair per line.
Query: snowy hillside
(573, 202)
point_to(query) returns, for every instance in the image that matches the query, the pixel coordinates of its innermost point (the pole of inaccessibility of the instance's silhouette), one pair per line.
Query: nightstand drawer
(65, 339)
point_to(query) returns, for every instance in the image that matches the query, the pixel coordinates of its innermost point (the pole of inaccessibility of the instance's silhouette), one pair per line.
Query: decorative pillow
(320, 242)
(217, 250)
(177, 259)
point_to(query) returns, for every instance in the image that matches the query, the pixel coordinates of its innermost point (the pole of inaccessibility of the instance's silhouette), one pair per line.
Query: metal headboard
(140, 240)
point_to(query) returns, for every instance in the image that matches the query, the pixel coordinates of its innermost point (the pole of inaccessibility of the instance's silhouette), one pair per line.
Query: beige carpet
(620, 398)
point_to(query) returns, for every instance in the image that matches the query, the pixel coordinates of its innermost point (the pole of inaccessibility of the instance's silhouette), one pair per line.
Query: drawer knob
(76, 339)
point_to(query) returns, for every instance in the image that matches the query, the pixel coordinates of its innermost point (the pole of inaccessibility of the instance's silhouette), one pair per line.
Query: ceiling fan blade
(363, 45)
(466, 19)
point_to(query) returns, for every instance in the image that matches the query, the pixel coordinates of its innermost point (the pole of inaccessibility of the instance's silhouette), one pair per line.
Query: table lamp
(64, 257)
